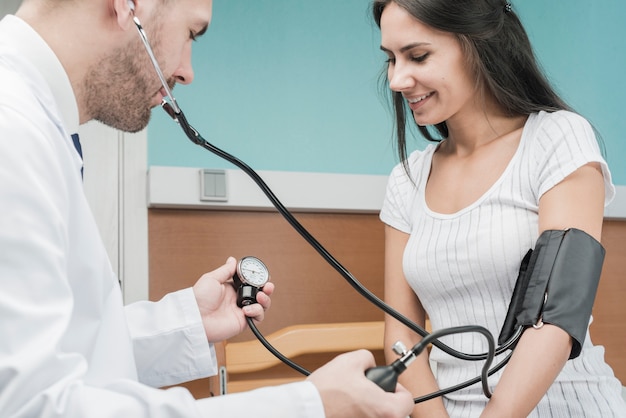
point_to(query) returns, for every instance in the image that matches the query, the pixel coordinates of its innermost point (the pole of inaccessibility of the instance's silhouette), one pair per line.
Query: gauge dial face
(252, 271)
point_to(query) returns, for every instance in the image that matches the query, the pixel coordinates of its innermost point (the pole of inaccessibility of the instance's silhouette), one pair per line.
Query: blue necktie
(76, 141)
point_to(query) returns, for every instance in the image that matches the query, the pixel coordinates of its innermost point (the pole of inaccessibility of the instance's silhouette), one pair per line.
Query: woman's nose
(400, 78)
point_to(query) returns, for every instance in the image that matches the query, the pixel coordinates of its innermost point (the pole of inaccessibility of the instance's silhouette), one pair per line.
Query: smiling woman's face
(427, 66)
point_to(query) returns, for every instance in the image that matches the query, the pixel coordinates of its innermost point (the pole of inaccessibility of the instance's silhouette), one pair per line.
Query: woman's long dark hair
(498, 52)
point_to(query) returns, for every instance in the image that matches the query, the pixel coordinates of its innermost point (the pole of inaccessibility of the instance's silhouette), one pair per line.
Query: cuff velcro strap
(557, 285)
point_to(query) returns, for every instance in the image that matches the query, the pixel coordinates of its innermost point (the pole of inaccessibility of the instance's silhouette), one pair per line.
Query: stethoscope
(384, 376)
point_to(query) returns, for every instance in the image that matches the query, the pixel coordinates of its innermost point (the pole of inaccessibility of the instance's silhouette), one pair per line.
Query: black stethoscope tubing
(196, 138)
(174, 111)
(485, 372)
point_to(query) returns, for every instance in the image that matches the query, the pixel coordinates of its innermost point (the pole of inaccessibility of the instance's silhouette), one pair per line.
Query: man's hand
(346, 392)
(217, 300)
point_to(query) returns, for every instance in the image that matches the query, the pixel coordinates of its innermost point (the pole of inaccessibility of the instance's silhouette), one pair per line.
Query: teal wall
(292, 85)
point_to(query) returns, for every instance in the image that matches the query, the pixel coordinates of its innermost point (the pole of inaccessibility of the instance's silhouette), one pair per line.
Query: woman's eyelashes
(420, 58)
(414, 58)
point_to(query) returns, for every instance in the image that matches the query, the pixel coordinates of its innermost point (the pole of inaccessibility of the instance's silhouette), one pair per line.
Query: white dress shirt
(68, 347)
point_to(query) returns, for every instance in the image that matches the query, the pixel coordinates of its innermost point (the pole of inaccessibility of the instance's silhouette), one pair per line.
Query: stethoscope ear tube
(171, 107)
(173, 110)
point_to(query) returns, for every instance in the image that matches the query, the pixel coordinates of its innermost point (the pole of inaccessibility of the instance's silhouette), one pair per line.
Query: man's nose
(184, 73)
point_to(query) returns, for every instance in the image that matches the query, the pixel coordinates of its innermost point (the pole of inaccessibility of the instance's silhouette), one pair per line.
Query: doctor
(68, 347)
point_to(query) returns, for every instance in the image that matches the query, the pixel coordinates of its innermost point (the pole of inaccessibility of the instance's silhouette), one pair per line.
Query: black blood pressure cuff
(557, 285)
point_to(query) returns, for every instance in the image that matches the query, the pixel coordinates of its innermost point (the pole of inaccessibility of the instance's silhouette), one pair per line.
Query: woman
(509, 161)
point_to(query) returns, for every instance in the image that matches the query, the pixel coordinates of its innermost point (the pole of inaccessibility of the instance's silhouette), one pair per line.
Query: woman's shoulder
(559, 121)
(406, 176)
(550, 130)
(558, 143)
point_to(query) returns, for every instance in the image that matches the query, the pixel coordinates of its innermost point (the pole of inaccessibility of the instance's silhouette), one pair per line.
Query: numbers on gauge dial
(251, 270)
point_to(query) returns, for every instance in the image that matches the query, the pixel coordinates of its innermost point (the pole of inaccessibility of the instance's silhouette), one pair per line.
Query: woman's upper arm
(575, 202)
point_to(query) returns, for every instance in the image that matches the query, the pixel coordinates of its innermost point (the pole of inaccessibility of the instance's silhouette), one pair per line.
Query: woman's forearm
(536, 362)
(419, 380)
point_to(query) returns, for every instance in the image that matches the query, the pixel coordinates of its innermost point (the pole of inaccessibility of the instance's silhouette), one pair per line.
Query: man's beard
(120, 88)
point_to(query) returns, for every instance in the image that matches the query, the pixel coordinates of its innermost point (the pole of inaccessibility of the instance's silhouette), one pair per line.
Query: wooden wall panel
(609, 310)
(184, 244)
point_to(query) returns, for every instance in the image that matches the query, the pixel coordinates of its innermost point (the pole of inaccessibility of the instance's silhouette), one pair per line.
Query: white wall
(115, 186)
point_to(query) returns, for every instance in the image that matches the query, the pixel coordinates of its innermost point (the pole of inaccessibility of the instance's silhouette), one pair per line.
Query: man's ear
(124, 12)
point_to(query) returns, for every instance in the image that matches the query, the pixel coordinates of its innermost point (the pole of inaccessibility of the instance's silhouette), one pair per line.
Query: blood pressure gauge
(250, 277)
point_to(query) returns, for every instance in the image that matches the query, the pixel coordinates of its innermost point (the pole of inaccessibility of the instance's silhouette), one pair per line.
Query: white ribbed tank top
(463, 266)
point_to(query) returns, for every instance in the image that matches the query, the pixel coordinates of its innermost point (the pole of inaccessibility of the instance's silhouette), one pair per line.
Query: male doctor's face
(124, 87)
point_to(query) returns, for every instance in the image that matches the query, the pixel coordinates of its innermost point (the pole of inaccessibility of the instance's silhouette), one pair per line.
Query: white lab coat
(68, 347)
